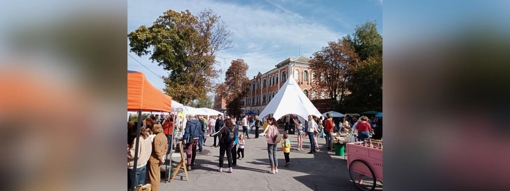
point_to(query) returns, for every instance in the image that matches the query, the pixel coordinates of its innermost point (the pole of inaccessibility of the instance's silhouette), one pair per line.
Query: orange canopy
(142, 95)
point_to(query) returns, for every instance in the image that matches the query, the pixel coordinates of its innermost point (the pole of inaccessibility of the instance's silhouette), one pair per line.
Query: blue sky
(265, 32)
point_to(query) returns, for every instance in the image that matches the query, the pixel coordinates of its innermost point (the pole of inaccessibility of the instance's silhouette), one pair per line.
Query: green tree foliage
(205, 102)
(365, 81)
(185, 45)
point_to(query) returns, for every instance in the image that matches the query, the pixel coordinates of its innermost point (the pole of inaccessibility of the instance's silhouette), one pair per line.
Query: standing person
(286, 148)
(212, 123)
(191, 137)
(226, 142)
(234, 147)
(363, 128)
(241, 143)
(272, 130)
(316, 133)
(300, 134)
(168, 128)
(321, 127)
(244, 123)
(144, 153)
(328, 130)
(159, 148)
(257, 124)
(218, 124)
(203, 127)
(312, 127)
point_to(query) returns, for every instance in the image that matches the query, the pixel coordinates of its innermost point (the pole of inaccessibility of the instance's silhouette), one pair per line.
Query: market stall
(142, 96)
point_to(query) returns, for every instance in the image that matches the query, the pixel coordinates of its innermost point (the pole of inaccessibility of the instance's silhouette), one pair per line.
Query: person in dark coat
(226, 143)
(192, 134)
(219, 124)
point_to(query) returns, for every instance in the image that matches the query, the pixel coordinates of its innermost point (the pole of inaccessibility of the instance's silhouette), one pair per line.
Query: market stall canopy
(369, 113)
(378, 114)
(333, 114)
(194, 111)
(176, 105)
(210, 112)
(142, 95)
(290, 99)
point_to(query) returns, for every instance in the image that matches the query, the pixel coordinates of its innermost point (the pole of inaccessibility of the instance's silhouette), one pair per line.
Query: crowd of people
(157, 134)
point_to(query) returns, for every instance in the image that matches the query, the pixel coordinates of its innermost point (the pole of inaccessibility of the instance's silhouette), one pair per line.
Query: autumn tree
(185, 45)
(365, 83)
(332, 67)
(235, 86)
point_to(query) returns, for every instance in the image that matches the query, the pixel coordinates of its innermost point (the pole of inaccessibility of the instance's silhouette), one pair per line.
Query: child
(241, 147)
(286, 148)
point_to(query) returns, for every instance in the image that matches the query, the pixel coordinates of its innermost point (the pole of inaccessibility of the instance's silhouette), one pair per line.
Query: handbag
(277, 138)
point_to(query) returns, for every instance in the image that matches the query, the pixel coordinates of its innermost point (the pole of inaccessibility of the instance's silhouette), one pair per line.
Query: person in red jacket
(328, 129)
(168, 128)
(363, 128)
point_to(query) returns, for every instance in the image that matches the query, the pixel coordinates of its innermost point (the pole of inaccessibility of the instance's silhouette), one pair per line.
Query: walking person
(286, 148)
(212, 123)
(159, 148)
(226, 142)
(258, 124)
(217, 125)
(240, 150)
(312, 127)
(244, 123)
(328, 129)
(191, 137)
(203, 125)
(272, 130)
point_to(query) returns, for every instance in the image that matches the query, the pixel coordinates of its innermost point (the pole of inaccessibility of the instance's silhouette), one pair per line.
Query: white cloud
(263, 35)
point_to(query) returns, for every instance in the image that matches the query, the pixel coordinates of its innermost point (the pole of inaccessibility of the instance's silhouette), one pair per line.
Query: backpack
(277, 138)
(231, 135)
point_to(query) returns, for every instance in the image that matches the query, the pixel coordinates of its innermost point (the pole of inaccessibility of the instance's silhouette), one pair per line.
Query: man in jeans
(329, 127)
(244, 123)
(192, 135)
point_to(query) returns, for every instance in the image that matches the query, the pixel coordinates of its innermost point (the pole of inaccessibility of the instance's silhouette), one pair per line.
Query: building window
(314, 94)
(314, 77)
(323, 95)
(253, 100)
(253, 89)
(284, 76)
(296, 75)
(264, 82)
(306, 92)
(276, 79)
(264, 98)
(305, 75)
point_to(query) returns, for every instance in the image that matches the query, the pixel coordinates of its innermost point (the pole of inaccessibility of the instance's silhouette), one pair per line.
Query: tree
(366, 41)
(333, 65)
(365, 81)
(185, 45)
(235, 86)
(204, 102)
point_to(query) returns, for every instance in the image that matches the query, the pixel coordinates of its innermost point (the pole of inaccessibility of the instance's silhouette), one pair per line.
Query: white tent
(210, 112)
(176, 105)
(290, 99)
(333, 114)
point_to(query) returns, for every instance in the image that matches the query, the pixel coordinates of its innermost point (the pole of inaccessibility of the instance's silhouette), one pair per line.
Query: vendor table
(365, 166)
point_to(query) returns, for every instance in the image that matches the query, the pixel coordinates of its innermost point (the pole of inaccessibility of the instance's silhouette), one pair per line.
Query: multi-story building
(265, 86)
(219, 103)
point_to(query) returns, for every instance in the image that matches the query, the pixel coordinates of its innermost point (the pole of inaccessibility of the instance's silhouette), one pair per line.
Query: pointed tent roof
(295, 102)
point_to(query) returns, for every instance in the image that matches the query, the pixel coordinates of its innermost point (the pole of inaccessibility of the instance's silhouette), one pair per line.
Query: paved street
(321, 171)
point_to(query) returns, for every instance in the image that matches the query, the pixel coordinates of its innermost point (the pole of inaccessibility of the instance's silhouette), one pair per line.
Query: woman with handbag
(271, 137)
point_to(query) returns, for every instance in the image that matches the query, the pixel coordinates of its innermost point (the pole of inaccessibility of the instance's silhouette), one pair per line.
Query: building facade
(264, 87)
(219, 103)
